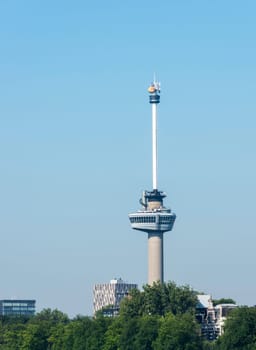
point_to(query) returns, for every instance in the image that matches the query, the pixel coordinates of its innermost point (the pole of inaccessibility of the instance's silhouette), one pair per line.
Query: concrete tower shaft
(155, 257)
(154, 218)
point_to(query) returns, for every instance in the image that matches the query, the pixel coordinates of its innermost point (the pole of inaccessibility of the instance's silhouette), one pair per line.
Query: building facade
(107, 296)
(13, 307)
(211, 318)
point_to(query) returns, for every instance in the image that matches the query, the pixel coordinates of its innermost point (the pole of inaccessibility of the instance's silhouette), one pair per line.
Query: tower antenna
(154, 99)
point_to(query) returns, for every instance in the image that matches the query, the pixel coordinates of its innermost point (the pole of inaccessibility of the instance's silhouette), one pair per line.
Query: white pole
(154, 146)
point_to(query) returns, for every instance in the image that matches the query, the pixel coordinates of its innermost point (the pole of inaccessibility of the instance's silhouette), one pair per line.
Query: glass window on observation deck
(143, 219)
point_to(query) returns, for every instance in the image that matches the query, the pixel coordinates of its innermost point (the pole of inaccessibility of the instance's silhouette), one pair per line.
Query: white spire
(154, 146)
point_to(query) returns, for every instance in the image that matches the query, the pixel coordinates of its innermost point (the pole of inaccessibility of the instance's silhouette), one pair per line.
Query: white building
(109, 295)
(222, 311)
(211, 318)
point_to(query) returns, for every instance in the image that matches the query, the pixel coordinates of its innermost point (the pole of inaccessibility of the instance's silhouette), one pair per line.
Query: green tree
(34, 337)
(159, 299)
(147, 331)
(178, 333)
(97, 336)
(208, 345)
(182, 299)
(77, 334)
(113, 334)
(82, 333)
(128, 333)
(223, 301)
(133, 305)
(240, 330)
(57, 338)
(11, 334)
(38, 334)
(136, 333)
(52, 317)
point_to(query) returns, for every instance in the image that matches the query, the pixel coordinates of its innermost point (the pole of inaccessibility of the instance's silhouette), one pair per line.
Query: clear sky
(75, 145)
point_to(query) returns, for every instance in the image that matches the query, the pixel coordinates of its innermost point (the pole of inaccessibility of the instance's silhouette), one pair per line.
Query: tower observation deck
(154, 218)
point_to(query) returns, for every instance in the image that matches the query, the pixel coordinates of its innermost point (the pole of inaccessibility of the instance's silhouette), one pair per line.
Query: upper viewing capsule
(154, 91)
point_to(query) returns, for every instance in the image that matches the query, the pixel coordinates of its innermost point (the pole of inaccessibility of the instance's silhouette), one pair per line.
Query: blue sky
(75, 141)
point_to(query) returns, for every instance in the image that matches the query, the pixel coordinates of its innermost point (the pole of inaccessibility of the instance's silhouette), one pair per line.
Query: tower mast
(154, 99)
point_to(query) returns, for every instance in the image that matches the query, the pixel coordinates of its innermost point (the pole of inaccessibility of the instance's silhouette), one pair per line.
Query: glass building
(13, 307)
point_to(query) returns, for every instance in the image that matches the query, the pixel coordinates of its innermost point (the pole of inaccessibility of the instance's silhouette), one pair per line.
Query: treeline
(161, 317)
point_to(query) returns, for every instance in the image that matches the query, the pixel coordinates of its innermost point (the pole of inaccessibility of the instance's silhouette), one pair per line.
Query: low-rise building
(211, 318)
(17, 307)
(222, 312)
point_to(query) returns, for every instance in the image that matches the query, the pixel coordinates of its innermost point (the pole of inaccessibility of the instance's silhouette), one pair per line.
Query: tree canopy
(160, 317)
(159, 299)
(240, 330)
(223, 301)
